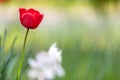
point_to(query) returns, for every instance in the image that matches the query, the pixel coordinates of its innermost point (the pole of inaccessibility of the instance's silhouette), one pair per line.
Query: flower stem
(22, 58)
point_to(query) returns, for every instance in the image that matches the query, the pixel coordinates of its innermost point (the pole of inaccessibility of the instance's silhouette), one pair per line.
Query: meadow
(89, 40)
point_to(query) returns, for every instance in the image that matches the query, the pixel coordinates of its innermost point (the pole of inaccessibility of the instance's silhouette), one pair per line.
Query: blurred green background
(87, 32)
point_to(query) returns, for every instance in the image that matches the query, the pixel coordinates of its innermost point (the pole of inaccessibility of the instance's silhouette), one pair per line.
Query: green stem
(22, 58)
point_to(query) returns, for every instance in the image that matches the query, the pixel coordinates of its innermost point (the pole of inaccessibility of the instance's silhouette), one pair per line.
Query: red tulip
(30, 18)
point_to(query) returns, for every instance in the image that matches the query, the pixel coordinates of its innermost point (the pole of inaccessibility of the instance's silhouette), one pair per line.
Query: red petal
(39, 18)
(22, 10)
(33, 11)
(28, 21)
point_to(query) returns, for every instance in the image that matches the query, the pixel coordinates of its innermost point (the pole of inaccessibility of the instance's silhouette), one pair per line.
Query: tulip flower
(30, 19)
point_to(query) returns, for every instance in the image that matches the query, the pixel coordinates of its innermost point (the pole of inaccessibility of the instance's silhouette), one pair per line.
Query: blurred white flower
(46, 65)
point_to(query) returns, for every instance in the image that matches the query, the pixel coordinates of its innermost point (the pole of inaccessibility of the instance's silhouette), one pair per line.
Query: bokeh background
(87, 32)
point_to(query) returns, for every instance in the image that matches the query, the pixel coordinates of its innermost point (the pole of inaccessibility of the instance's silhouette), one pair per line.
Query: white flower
(46, 65)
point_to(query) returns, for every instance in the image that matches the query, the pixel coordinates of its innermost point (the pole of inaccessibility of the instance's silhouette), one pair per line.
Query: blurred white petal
(59, 70)
(54, 53)
(43, 59)
(49, 73)
(32, 73)
(32, 63)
